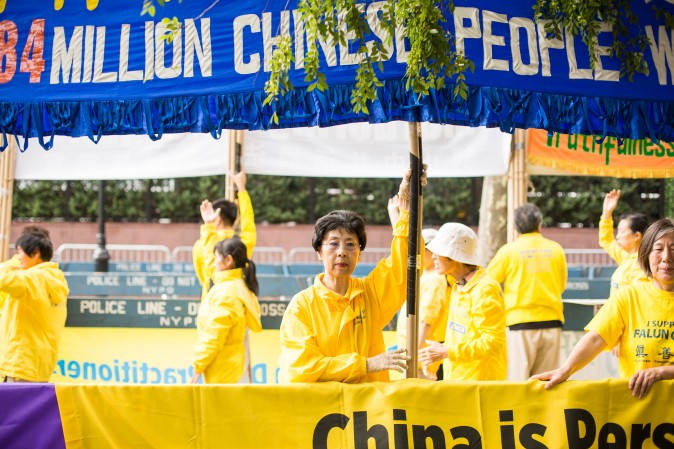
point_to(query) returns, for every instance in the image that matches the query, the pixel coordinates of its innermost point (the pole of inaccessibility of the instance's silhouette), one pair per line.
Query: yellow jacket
(628, 271)
(475, 337)
(223, 316)
(32, 319)
(9, 264)
(328, 337)
(202, 251)
(533, 272)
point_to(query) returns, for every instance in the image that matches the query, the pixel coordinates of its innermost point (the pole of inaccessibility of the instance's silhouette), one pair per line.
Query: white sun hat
(457, 242)
(428, 234)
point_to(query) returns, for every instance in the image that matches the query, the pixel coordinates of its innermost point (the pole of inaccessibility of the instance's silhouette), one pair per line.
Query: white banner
(125, 157)
(361, 150)
(357, 150)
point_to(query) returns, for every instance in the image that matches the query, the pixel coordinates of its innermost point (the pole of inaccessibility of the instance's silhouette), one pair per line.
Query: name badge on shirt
(456, 327)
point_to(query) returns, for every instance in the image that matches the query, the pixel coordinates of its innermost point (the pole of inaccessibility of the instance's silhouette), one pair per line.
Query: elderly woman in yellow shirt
(475, 339)
(333, 330)
(638, 317)
(623, 247)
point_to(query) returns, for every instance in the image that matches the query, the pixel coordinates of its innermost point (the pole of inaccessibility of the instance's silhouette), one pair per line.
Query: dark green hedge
(569, 201)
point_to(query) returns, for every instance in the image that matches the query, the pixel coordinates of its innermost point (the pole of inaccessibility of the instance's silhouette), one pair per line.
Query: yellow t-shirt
(641, 318)
(475, 336)
(533, 272)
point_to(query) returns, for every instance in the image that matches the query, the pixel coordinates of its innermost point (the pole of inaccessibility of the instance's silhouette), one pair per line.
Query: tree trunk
(493, 217)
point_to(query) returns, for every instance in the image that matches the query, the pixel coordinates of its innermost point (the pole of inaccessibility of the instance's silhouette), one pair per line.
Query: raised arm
(248, 231)
(209, 237)
(606, 237)
(208, 215)
(389, 277)
(13, 282)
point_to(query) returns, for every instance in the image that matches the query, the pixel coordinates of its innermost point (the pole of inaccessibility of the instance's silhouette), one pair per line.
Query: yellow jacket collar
(227, 275)
(325, 293)
(474, 280)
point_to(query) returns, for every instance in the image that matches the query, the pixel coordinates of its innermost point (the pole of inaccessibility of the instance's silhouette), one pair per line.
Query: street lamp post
(101, 255)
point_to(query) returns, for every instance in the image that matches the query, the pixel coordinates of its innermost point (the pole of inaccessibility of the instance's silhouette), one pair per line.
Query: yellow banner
(151, 356)
(404, 414)
(583, 155)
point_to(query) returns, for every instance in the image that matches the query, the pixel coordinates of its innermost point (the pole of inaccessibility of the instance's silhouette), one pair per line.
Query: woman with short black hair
(333, 330)
(33, 294)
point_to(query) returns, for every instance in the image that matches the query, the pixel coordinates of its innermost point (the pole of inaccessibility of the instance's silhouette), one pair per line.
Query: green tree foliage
(179, 199)
(278, 199)
(669, 198)
(433, 57)
(125, 199)
(431, 60)
(588, 18)
(578, 201)
(37, 199)
(565, 200)
(83, 200)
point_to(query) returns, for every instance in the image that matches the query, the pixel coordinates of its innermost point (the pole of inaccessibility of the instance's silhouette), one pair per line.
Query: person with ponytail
(229, 309)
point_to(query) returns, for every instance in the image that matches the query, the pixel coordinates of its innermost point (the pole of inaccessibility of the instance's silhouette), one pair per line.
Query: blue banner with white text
(101, 67)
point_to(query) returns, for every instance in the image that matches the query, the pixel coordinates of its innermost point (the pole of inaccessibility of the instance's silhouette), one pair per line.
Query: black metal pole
(413, 250)
(101, 255)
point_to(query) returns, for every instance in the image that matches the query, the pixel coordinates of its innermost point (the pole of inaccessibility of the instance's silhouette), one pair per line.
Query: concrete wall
(285, 236)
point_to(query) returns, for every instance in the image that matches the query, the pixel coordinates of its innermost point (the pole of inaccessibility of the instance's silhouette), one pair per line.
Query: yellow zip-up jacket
(202, 251)
(628, 272)
(476, 337)
(32, 320)
(9, 264)
(533, 272)
(328, 337)
(223, 316)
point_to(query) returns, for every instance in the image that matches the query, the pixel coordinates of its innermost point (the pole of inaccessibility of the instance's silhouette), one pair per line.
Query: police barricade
(130, 267)
(140, 328)
(582, 297)
(139, 312)
(138, 300)
(123, 331)
(171, 285)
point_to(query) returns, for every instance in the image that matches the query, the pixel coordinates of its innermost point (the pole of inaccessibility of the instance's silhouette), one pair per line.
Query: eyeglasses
(334, 245)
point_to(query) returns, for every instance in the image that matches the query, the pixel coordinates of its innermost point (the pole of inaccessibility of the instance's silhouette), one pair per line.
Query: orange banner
(580, 154)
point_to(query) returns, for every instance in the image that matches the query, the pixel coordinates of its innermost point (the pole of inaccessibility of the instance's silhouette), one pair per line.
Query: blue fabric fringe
(485, 106)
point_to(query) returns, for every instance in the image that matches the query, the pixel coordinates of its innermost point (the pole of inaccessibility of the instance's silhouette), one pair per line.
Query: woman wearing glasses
(332, 331)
